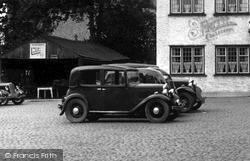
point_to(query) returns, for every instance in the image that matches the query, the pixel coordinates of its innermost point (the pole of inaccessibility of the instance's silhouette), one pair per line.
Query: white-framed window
(232, 60)
(187, 6)
(187, 60)
(232, 6)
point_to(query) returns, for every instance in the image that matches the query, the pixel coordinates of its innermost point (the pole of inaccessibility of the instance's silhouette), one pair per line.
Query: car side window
(114, 78)
(133, 77)
(90, 77)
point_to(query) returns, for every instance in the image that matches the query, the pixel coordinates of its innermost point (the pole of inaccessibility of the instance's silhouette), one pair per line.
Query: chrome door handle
(104, 89)
(99, 89)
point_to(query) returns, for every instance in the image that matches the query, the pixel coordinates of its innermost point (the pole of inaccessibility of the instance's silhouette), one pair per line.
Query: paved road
(219, 131)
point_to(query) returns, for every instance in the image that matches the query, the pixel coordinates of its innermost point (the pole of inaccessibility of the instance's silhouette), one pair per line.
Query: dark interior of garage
(31, 74)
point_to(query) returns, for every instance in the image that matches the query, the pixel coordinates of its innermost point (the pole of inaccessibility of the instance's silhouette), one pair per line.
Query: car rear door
(91, 88)
(116, 94)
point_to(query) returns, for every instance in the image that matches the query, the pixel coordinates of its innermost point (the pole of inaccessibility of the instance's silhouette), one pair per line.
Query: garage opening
(31, 74)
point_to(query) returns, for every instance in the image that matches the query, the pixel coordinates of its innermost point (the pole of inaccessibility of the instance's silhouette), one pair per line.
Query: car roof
(4, 84)
(105, 67)
(135, 65)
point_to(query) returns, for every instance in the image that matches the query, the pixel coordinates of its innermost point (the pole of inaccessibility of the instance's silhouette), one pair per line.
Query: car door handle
(104, 89)
(99, 89)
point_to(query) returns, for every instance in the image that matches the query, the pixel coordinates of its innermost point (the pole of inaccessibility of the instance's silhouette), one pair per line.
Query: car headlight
(164, 91)
(191, 82)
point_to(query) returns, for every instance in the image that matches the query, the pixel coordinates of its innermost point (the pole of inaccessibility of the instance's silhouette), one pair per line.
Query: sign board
(37, 50)
(53, 56)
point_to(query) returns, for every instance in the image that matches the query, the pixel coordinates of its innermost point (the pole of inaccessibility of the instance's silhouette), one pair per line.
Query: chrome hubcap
(75, 110)
(156, 110)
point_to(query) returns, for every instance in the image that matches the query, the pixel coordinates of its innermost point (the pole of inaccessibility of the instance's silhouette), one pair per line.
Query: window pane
(90, 77)
(198, 6)
(109, 78)
(243, 5)
(186, 6)
(232, 60)
(187, 59)
(220, 6)
(133, 77)
(175, 6)
(243, 60)
(176, 60)
(114, 78)
(176, 51)
(221, 60)
(232, 5)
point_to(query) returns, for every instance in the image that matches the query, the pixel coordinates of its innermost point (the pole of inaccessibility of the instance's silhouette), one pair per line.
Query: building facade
(206, 40)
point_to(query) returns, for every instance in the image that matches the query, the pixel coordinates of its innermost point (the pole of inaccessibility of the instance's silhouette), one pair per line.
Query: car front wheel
(18, 101)
(157, 111)
(187, 100)
(76, 110)
(197, 106)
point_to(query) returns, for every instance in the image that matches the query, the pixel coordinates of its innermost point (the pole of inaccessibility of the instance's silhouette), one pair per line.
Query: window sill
(189, 75)
(186, 14)
(229, 75)
(231, 14)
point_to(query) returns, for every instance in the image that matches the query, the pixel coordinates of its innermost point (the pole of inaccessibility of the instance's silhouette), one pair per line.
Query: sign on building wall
(37, 50)
(210, 28)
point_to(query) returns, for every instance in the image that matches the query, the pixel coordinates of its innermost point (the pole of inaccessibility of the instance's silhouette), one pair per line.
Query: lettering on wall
(210, 28)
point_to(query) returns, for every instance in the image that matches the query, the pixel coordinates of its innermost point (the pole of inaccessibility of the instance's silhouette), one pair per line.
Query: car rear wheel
(76, 110)
(187, 100)
(5, 101)
(18, 101)
(157, 111)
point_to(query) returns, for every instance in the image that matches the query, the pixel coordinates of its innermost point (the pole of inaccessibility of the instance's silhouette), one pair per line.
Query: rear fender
(70, 97)
(153, 96)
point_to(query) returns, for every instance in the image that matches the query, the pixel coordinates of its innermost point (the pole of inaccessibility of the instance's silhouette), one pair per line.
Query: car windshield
(133, 76)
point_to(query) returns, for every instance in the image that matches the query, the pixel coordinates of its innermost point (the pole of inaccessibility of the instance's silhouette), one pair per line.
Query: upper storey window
(232, 6)
(187, 6)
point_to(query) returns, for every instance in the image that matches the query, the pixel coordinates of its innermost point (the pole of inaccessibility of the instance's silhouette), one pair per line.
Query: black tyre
(18, 101)
(93, 117)
(76, 110)
(5, 101)
(157, 111)
(187, 101)
(197, 106)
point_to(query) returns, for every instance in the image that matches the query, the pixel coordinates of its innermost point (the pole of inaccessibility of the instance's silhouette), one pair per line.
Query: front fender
(153, 96)
(186, 89)
(70, 97)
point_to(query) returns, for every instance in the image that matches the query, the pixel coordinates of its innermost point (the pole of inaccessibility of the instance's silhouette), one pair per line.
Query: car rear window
(90, 77)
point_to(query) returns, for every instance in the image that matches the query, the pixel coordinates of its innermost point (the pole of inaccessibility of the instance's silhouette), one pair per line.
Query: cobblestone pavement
(219, 131)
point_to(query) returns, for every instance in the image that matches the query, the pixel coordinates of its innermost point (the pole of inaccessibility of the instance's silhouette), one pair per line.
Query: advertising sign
(37, 51)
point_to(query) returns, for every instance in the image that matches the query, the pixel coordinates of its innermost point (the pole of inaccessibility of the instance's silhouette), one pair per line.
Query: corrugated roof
(87, 49)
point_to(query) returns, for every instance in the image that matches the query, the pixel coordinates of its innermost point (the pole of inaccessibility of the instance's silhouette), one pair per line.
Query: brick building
(205, 40)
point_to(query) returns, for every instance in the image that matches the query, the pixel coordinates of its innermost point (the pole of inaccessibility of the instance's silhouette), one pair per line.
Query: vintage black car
(188, 91)
(98, 91)
(8, 91)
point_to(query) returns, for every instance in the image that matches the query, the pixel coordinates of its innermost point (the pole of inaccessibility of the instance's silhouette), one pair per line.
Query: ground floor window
(187, 60)
(232, 59)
